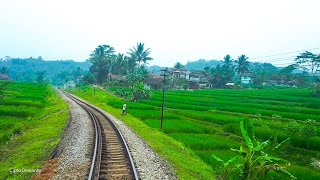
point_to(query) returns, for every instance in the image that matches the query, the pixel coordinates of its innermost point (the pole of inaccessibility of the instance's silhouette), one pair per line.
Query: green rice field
(207, 122)
(32, 118)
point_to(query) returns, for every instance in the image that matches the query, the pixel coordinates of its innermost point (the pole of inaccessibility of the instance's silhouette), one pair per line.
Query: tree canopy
(140, 54)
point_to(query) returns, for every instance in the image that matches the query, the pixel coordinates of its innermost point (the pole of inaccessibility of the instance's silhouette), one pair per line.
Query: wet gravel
(74, 148)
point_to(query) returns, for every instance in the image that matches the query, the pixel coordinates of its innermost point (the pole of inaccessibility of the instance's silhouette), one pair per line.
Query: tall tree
(101, 62)
(120, 64)
(227, 68)
(228, 60)
(178, 65)
(206, 69)
(309, 61)
(41, 77)
(243, 65)
(4, 70)
(140, 54)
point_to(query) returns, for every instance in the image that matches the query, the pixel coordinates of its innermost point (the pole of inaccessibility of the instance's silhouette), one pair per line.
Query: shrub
(253, 162)
(316, 89)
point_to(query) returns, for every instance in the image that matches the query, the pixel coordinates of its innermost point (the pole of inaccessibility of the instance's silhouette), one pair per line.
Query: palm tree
(101, 59)
(227, 60)
(227, 68)
(178, 65)
(139, 54)
(120, 64)
(243, 65)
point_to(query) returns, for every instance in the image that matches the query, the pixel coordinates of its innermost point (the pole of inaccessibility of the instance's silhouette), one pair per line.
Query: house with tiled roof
(153, 83)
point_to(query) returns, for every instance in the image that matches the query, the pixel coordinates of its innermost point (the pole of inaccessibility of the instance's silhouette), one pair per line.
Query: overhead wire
(280, 60)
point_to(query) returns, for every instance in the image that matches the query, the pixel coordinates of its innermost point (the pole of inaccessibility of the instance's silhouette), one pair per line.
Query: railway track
(111, 158)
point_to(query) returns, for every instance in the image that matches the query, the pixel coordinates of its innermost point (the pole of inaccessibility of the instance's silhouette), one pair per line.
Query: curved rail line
(111, 158)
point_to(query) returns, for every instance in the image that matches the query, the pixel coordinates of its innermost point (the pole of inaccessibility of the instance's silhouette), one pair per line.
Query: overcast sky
(174, 30)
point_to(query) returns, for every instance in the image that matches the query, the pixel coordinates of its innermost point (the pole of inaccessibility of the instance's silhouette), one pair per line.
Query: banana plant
(253, 162)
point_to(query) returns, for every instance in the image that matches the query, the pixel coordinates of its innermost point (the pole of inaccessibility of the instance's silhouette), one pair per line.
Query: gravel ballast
(148, 164)
(75, 146)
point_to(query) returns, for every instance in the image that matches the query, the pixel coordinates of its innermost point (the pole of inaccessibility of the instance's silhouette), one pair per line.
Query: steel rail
(93, 168)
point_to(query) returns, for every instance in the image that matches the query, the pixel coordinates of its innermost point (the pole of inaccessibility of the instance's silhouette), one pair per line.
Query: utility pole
(164, 73)
(94, 83)
(79, 81)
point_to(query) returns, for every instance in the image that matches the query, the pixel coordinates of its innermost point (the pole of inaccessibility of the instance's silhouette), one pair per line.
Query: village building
(180, 73)
(153, 83)
(195, 80)
(246, 78)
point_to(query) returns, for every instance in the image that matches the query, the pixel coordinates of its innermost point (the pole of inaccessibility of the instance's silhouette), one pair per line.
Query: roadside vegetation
(32, 118)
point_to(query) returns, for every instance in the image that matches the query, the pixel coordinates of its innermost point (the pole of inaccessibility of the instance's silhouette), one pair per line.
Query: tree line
(231, 70)
(131, 67)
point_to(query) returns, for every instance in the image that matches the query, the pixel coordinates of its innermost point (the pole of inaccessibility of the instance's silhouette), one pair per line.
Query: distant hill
(56, 72)
(155, 69)
(202, 63)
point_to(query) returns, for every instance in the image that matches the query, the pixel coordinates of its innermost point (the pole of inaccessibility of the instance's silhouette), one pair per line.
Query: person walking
(124, 107)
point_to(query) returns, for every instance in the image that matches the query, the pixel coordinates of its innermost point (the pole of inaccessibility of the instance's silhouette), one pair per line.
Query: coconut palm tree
(243, 65)
(178, 65)
(139, 54)
(120, 64)
(227, 60)
(101, 61)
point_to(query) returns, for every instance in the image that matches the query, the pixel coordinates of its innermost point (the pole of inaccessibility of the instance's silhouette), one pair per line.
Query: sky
(174, 30)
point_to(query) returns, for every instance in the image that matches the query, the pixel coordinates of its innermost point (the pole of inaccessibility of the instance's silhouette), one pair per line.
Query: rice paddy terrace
(32, 117)
(207, 122)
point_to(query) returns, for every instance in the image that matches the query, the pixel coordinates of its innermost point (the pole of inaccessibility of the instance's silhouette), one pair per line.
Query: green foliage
(88, 78)
(57, 71)
(101, 62)
(309, 62)
(316, 89)
(137, 75)
(253, 162)
(185, 86)
(309, 130)
(178, 65)
(243, 65)
(41, 77)
(3, 86)
(122, 64)
(293, 128)
(4, 70)
(139, 92)
(140, 54)
(122, 93)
